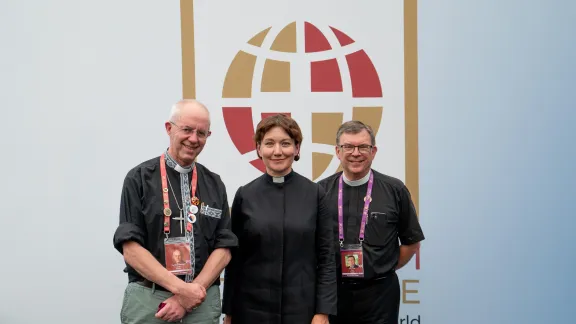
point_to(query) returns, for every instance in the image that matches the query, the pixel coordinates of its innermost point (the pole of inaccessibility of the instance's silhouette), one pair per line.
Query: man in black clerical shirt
(172, 204)
(372, 212)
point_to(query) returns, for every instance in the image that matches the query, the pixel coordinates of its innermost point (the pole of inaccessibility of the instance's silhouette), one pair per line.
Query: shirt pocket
(381, 228)
(209, 219)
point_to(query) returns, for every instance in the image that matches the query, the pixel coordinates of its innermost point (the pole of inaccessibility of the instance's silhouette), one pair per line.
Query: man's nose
(193, 137)
(356, 151)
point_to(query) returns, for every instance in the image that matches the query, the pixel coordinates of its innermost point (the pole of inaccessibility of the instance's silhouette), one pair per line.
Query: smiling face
(188, 131)
(355, 152)
(176, 256)
(277, 151)
(278, 139)
(350, 261)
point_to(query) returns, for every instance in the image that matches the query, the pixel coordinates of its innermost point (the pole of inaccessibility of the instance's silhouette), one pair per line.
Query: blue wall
(497, 126)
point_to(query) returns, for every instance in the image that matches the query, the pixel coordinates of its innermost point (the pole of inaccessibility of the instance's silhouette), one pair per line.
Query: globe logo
(316, 72)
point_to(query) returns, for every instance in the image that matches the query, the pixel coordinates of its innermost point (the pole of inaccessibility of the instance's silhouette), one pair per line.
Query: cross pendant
(181, 218)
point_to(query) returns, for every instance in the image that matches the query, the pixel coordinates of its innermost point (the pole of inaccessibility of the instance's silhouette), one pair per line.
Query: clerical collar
(174, 165)
(359, 182)
(280, 179)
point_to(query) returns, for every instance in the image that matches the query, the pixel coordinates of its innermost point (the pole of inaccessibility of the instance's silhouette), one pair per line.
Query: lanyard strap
(167, 210)
(194, 201)
(367, 201)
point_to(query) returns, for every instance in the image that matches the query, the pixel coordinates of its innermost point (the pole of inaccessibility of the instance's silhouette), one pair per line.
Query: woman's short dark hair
(289, 125)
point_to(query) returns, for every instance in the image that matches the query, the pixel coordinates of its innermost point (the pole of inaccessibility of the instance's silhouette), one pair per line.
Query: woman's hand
(320, 319)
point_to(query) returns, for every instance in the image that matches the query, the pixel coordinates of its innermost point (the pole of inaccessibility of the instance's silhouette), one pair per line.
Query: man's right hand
(191, 295)
(227, 319)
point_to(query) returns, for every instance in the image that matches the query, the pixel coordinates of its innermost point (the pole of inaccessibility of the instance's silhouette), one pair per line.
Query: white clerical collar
(280, 179)
(173, 164)
(355, 183)
(180, 169)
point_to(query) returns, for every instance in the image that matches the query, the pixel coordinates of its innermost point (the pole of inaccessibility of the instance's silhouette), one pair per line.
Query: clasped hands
(187, 298)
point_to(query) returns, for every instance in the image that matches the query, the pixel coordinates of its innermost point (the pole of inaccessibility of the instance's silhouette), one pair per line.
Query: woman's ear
(258, 151)
(297, 155)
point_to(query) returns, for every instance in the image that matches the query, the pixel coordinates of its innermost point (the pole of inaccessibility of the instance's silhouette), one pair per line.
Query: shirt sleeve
(409, 230)
(230, 272)
(224, 236)
(326, 291)
(132, 226)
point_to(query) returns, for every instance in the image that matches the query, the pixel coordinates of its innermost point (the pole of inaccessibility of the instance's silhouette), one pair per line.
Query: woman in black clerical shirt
(284, 269)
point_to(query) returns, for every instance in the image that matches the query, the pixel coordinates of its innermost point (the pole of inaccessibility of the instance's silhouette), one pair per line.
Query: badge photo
(352, 263)
(177, 255)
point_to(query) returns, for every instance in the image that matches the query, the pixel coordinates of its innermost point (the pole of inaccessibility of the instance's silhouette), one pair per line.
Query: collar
(279, 179)
(174, 165)
(359, 182)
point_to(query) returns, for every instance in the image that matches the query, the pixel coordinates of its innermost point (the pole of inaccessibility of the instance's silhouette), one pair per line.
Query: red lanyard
(167, 210)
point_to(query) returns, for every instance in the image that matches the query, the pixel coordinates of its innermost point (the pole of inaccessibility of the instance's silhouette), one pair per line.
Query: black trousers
(372, 302)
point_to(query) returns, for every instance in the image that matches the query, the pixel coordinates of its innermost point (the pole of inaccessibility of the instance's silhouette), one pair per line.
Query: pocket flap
(391, 218)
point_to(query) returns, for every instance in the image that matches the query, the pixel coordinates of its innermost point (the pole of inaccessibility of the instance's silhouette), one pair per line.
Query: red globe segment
(325, 76)
(363, 76)
(343, 39)
(238, 121)
(315, 41)
(258, 164)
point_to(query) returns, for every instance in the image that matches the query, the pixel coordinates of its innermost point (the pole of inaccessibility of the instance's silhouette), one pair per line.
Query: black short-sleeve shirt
(141, 214)
(391, 221)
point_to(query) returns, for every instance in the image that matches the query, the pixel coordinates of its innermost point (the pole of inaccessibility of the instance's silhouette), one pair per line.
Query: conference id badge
(177, 251)
(352, 261)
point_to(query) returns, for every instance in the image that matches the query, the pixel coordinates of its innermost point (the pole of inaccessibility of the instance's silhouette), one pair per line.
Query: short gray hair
(355, 127)
(175, 110)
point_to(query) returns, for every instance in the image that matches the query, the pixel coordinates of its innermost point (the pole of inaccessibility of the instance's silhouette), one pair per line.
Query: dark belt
(149, 284)
(363, 283)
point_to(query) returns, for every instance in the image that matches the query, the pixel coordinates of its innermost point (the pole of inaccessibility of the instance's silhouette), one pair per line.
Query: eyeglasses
(363, 148)
(202, 134)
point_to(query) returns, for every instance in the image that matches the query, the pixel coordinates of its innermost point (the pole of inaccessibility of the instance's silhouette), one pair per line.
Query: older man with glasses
(373, 212)
(173, 204)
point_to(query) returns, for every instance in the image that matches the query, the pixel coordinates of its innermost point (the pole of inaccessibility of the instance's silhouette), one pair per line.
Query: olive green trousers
(141, 303)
